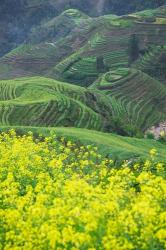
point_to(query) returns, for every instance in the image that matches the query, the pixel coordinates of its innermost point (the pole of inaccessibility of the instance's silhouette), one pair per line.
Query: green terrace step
(38, 101)
(136, 98)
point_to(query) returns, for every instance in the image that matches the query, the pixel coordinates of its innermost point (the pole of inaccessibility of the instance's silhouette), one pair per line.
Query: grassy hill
(137, 99)
(68, 46)
(110, 145)
(37, 101)
(127, 105)
(153, 62)
(46, 46)
(58, 27)
(18, 18)
(80, 98)
(109, 56)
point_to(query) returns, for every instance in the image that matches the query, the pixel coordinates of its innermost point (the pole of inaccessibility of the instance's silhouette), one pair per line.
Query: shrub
(150, 135)
(162, 137)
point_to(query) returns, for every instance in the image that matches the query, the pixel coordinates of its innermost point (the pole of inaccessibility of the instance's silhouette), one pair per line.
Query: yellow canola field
(56, 195)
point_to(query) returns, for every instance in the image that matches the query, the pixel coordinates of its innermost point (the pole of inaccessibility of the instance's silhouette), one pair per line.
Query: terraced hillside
(58, 27)
(153, 62)
(40, 101)
(112, 56)
(68, 46)
(46, 46)
(137, 99)
(112, 40)
(127, 104)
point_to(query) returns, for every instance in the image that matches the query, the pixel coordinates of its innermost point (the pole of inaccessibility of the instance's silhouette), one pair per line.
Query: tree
(100, 64)
(133, 49)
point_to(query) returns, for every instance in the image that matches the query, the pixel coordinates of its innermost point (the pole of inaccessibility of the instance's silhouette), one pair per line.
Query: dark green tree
(133, 48)
(100, 64)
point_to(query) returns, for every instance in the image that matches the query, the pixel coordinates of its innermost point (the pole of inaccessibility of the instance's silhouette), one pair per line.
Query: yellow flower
(161, 235)
(60, 197)
(153, 152)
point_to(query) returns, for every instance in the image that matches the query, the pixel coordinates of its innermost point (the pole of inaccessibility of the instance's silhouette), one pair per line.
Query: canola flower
(54, 195)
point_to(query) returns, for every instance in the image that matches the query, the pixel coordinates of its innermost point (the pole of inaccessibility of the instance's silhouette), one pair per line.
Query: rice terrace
(82, 125)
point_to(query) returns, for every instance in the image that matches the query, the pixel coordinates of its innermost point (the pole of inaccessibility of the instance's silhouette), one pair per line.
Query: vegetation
(78, 94)
(153, 62)
(96, 53)
(100, 67)
(162, 137)
(135, 98)
(109, 145)
(67, 197)
(38, 101)
(133, 49)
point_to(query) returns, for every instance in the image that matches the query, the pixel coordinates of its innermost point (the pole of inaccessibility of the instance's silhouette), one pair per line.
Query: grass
(52, 46)
(153, 62)
(37, 101)
(58, 27)
(108, 79)
(161, 20)
(72, 31)
(123, 94)
(110, 145)
(69, 53)
(136, 98)
(110, 40)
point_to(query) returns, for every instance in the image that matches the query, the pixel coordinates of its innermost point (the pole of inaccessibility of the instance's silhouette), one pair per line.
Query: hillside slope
(68, 47)
(18, 17)
(137, 100)
(153, 62)
(38, 101)
(110, 145)
(127, 106)
(109, 56)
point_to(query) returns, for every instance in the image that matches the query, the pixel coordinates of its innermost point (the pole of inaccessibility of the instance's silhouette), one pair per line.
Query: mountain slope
(73, 40)
(127, 106)
(40, 101)
(153, 62)
(136, 99)
(109, 56)
(18, 17)
(110, 145)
